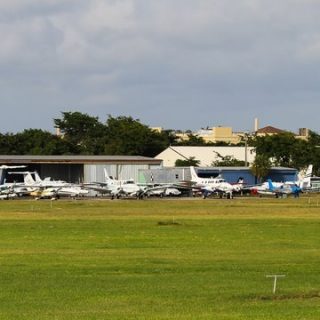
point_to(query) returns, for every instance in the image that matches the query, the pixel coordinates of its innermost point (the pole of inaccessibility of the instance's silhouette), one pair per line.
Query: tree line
(82, 134)
(285, 150)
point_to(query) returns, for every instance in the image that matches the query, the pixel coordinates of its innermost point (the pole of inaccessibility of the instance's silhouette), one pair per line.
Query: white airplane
(48, 188)
(10, 190)
(7, 192)
(212, 185)
(304, 181)
(5, 167)
(164, 190)
(128, 188)
(117, 188)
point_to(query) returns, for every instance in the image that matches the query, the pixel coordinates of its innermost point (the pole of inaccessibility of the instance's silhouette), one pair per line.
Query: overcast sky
(179, 64)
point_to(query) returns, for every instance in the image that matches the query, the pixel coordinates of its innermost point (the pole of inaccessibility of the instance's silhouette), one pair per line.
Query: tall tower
(256, 124)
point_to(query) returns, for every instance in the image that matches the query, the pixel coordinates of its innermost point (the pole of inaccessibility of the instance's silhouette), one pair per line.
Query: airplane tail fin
(270, 185)
(306, 180)
(37, 177)
(106, 175)
(309, 171)
(240, 180)
(239, 184)
(194, 176)
(27, 177)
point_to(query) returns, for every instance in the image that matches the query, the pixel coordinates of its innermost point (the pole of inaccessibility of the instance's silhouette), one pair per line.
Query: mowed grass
(160, 259)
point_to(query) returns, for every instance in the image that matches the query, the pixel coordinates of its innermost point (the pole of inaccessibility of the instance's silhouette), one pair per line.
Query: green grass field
(160, 259)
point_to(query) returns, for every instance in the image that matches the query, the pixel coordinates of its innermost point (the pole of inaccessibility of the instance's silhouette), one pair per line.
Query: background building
(206, 155)
(219, 134)
(79, 169)
(230, 174)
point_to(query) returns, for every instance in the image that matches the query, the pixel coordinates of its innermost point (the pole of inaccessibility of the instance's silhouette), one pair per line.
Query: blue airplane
(284, 190)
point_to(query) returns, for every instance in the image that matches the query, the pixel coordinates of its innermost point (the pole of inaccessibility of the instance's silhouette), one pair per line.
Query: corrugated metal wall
(94, 172)
(172, 175)
(165, 175)
(79, 173)
(72, 173)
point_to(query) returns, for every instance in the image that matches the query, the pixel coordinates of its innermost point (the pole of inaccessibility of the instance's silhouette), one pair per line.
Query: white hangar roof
(206, 155)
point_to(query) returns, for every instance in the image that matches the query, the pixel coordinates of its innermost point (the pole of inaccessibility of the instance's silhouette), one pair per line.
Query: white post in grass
(275, 277)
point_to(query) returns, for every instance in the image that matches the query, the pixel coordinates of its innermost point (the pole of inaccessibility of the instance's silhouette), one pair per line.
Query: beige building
(303, 134)
(215, 134)
(269, 130)
(206, 155)
(157, 129)
(219, 134)
(226, 134)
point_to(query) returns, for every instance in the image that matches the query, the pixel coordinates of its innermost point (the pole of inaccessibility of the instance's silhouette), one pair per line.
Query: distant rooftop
(270, 130)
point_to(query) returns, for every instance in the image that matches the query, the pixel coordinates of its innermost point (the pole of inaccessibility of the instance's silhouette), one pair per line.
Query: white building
(206, 155)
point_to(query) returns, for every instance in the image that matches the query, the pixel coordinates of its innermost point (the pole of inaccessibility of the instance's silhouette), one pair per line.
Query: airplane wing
(4, 167)
(101, 188)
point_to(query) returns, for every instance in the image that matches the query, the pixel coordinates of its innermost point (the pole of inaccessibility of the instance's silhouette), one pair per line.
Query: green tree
(34, 142)
(311, 152)
(284, 149)
(228, 161)
(39, 142)
(187, 162)
(8, 144)
(191, 141)
(127, 136)
(261, 166)
(84, 132)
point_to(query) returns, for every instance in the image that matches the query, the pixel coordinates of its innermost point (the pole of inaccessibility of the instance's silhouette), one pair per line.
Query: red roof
(270, 129)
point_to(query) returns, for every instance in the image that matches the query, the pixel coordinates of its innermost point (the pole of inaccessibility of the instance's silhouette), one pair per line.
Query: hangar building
(230, 174)
(88, 168)
(80, 168)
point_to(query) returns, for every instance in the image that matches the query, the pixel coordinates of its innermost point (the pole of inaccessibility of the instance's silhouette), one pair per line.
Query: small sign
(275, 277)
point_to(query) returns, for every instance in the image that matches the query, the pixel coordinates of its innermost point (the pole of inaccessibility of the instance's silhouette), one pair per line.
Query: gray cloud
(177, 64)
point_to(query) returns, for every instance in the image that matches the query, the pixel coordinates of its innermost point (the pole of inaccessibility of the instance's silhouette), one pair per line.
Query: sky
(177, 64)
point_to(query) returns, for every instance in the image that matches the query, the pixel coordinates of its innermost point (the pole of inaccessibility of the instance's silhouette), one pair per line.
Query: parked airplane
(128, 188)
(5, 167)
(48, 188)
(116, 188)
(284, 190)
(304, 182)
(212, 185)
(263, 188)
(7, 192)
(10, 190)
(163, 190)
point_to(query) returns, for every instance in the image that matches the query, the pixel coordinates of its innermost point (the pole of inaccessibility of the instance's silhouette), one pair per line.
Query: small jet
(48, 188)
